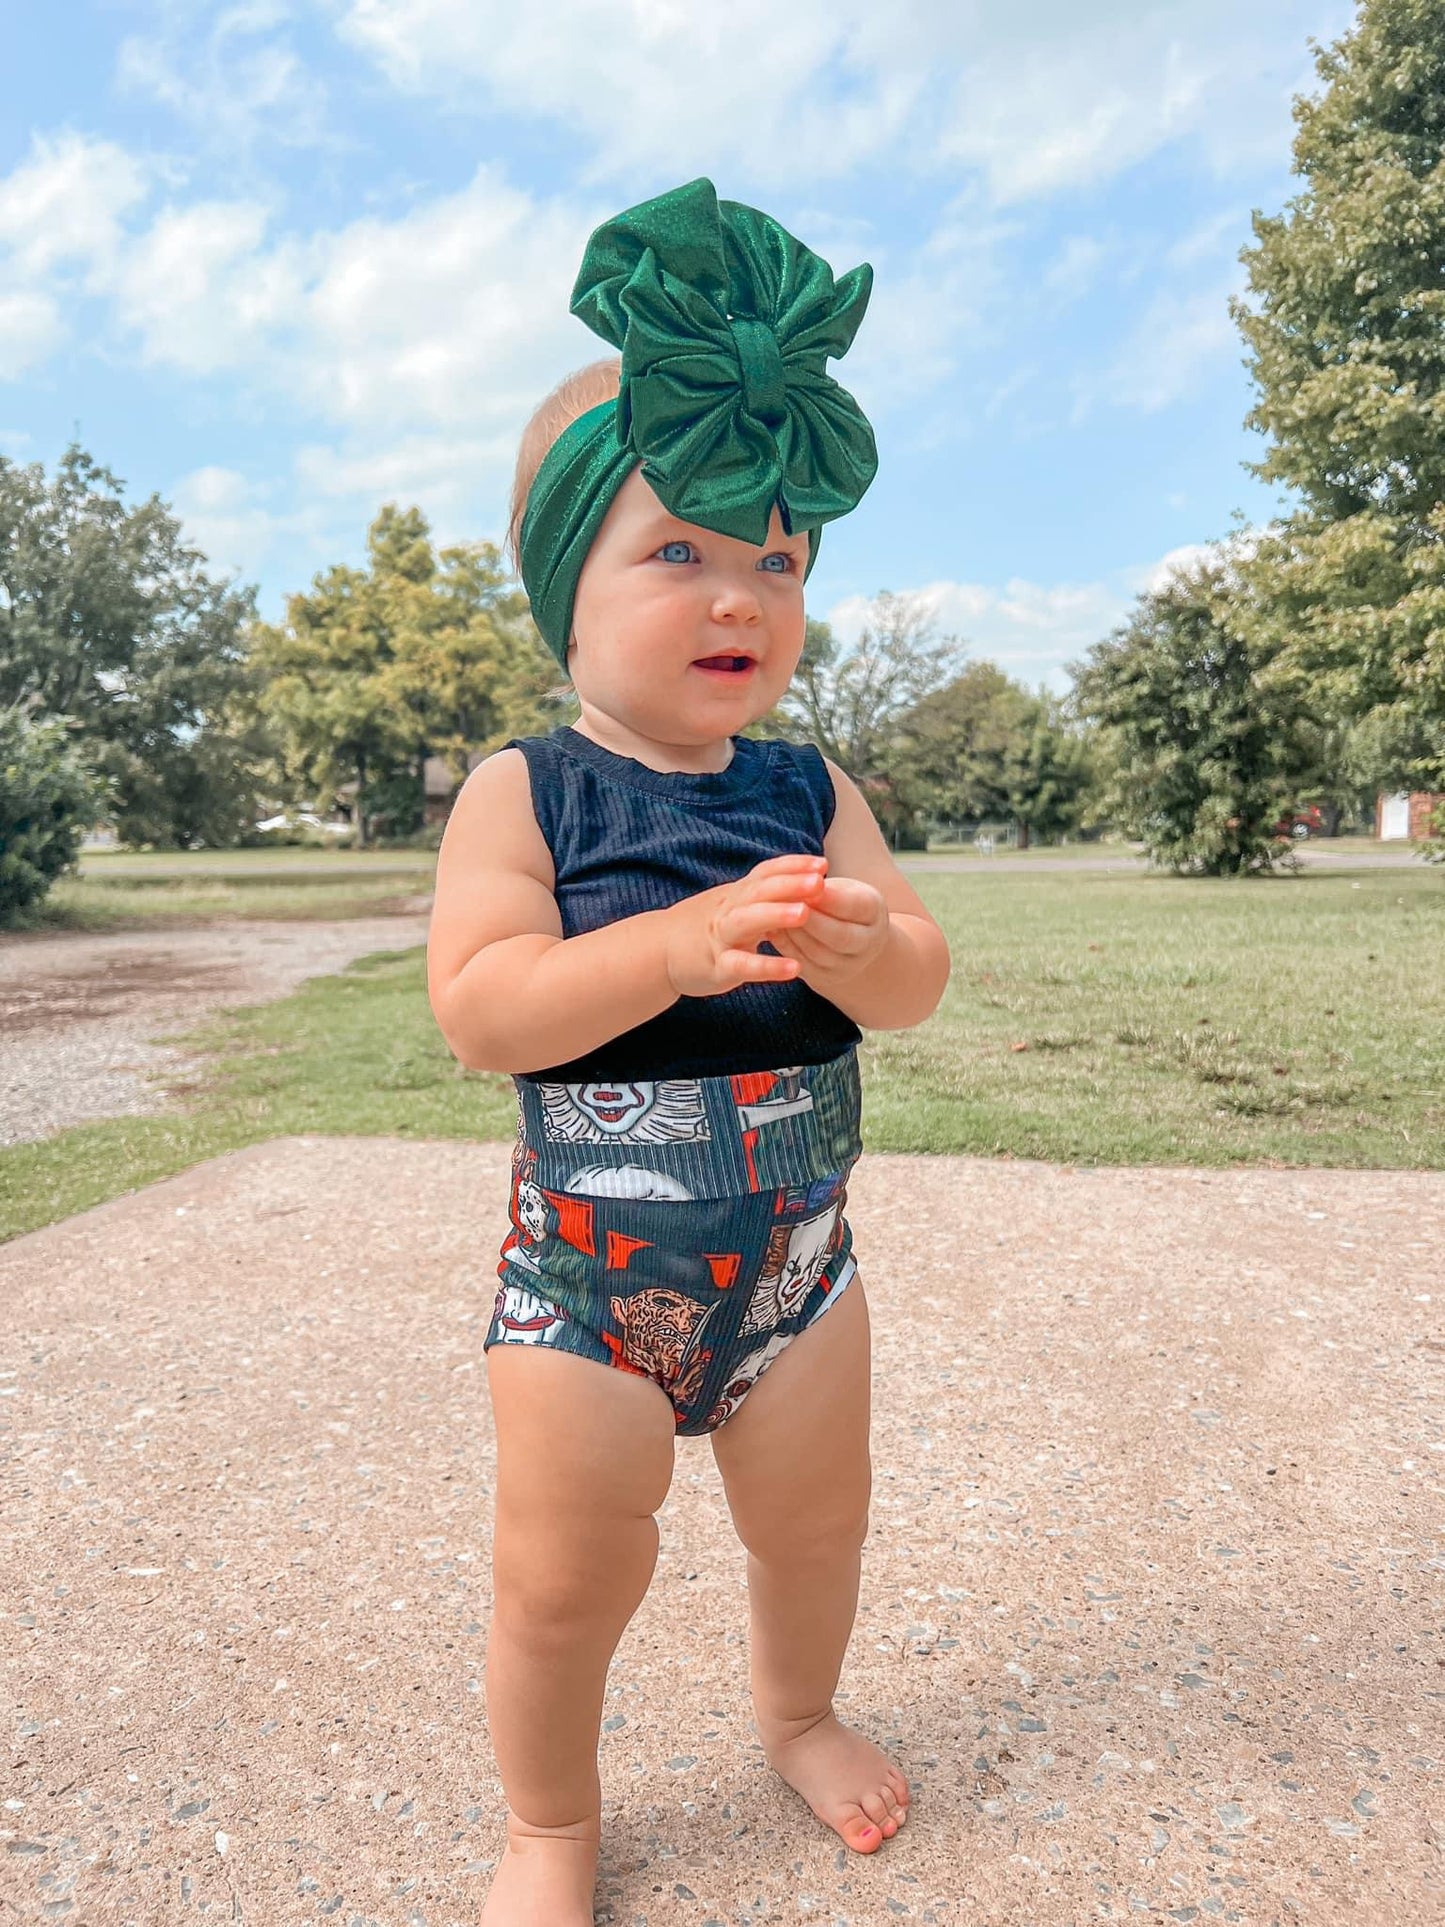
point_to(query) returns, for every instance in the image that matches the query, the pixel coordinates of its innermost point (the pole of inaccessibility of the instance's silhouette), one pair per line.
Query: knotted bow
(725, 323)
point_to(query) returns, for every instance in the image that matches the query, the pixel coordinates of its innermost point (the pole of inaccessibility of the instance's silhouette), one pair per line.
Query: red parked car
(1308, 821)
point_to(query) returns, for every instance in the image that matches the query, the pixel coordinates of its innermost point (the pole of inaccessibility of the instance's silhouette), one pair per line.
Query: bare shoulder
(493, 824)
(495, 875)
(855, 847)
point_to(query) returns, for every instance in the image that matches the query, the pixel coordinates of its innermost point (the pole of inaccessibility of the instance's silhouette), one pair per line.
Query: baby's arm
(511, 994)
(868, 944)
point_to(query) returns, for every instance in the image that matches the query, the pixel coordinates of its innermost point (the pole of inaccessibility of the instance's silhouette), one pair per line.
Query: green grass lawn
(115, 890)
(1091, 1018)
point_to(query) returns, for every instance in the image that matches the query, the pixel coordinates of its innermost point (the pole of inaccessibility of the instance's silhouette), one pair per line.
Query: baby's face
(680, 635)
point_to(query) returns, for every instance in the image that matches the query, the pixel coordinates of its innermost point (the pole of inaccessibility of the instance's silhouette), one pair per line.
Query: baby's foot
(851, 1786)
(546, 1874)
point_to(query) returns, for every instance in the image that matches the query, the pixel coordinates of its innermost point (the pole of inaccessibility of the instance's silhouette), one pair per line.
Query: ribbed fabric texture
(625, 838)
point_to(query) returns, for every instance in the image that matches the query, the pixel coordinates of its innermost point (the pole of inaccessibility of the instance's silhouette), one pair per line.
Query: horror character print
(798, 1250)
(661, 1333)
(524, 1317)
(685, 1229)
(744, 1377)
(529, 1214)
(670, 1111)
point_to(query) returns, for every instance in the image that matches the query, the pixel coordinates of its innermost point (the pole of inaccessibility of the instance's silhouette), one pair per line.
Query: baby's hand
(846, 930)
(712, 937)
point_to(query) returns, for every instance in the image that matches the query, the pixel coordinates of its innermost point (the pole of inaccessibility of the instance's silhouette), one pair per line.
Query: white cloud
(1038, 98)
(459, 480)
(927, 307)
(30, 327)
(1032, 630)
(224, 515)
(451, 315)
(1225, 232)
(1154, 575)
(64, 205)
(61, 215)
(1168, 354)
(238, 81)
(660, 84)
(202, 293)
(454, 313)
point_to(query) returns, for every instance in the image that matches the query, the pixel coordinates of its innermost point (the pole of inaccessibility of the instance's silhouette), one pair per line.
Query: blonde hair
(599, 381)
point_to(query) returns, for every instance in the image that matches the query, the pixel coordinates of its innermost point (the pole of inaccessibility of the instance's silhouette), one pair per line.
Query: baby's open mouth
(726, 665)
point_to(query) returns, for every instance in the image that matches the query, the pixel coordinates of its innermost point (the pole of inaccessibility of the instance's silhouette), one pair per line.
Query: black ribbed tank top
(625, 838)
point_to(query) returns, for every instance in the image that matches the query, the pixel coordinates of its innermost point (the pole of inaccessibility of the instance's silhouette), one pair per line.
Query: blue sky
(285, 262)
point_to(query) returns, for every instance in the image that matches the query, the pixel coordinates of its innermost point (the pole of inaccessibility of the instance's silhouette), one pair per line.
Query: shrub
(48, 798)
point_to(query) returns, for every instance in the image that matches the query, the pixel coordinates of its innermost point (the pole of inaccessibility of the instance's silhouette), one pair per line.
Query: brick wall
(1422, 807)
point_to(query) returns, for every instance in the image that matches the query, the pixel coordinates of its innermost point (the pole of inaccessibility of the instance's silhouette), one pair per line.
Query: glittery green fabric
(725, 323)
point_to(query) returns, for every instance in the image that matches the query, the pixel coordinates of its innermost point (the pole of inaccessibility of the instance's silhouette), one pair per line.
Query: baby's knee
(817, 1536)
(550, 1589)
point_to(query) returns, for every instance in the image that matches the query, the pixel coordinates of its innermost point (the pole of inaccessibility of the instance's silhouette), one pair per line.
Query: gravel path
(80, 1016)
(1151, 1608)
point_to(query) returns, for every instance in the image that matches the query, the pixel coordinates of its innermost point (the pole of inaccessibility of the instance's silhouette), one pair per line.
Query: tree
(1051, 774)
(419, 653)
(850, 700)
(957, 747)
(1206, 732)
(48, 798)
(1356, 608)
(109, 619)
(985, 747)
(1345, 327)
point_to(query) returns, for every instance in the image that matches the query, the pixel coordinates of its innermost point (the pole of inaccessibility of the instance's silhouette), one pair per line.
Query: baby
(669, 933)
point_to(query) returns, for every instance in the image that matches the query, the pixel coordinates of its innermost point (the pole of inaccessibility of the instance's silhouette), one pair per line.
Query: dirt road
(81, 1016)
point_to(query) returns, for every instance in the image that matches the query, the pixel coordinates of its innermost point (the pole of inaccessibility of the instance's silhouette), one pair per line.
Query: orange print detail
(751, 1087)
(620, 1249)
(725, 1266)
(574, 1221)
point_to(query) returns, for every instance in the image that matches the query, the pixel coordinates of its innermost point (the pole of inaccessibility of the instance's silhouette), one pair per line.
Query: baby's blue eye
(677, 552)
(777, 563)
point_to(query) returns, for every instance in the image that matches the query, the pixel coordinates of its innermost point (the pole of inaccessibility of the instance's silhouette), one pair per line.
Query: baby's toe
(861, 1834)
(880, 1809)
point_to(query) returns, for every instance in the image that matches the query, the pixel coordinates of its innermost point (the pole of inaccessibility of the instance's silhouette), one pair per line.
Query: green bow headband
(725, 323)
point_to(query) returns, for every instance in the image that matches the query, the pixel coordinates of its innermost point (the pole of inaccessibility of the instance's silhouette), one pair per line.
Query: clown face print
(627, 1181)
(526, 1317)
(797, 1255)
(669, 1111)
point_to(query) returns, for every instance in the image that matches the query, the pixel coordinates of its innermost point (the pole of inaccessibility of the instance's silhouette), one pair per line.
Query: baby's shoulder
(494, 816)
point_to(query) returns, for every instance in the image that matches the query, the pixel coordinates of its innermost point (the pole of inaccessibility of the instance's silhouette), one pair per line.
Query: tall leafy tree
(984, 747)
(1051, 773)
(850, 699)
(108, 618)
(419, 653)
(1206, 736)
(1345, 328)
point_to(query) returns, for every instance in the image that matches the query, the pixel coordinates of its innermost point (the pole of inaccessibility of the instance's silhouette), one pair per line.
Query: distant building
(442, 786)
(1403, 817)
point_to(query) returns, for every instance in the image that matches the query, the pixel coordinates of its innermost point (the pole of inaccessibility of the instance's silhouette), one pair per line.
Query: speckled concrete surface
(1152, 1606)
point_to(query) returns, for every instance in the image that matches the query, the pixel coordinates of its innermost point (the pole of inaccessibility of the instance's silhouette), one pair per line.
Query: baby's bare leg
(584, 1458)
(794, 1460)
